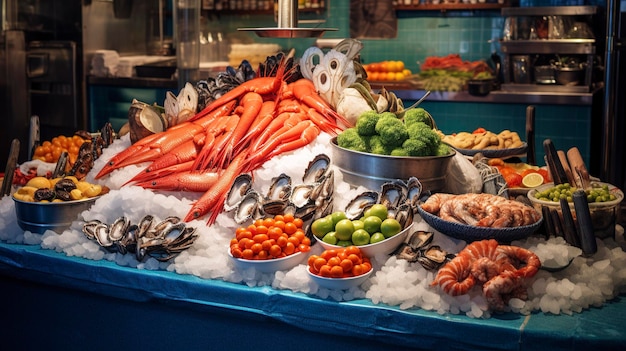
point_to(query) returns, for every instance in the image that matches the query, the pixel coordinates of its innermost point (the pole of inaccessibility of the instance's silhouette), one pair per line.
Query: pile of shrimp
(501, 269)
(483, 210)
(236, 133)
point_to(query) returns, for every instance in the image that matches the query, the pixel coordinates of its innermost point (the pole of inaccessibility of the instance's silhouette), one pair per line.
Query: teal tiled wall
(472, 34)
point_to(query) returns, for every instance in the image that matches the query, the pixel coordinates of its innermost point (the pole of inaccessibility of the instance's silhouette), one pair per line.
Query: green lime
(358, 224)
(345, 243)
(390, 227)
(321, 226)
(360, 237)
(377, 237)
(372, 224)
(378, 210)
(330, 238)
(344, 229)
(337, 216)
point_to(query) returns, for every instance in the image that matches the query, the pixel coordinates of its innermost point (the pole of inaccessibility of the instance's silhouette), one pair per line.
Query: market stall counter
(51, 299)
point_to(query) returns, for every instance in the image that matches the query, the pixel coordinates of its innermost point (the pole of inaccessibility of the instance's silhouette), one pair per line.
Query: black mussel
(44, 194)
(63, 195)
(65, 185)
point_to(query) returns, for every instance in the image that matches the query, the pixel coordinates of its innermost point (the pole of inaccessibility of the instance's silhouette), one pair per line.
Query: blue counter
(52, 301)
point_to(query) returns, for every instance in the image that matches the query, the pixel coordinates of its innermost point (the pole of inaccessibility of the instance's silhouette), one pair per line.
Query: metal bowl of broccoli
(382, 147)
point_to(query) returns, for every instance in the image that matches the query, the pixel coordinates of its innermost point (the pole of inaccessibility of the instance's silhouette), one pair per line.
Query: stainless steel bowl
(569, 75)
(371, 170)
(37, 217)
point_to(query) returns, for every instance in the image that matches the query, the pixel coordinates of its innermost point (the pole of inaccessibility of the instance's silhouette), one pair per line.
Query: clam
(414, 191)
(316, 169)
(274, 207)
(280, 189)
(240, 187)
(325, 188)
(403, 214)
(247, 207)
(101, 233)
(432, 257)
(118, 229)
(301, 194)
(89, 229)
(357, 206)
(392, 194)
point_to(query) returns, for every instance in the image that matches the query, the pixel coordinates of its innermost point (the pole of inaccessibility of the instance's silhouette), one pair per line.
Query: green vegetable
(392, 131)
(421, 131)
(418, 114)
(377, 146)
(366, 123)
(443, 150)
(350, 139)
(416, 147)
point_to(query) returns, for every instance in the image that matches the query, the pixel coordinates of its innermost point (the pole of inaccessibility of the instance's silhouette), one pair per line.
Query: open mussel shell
(241, 186)
(280, 188)
(118, 229)
(248, 207)
(403, 214)
(316, 169)
(301, 194)
(414, 191)
(392, 194)
(357, 206)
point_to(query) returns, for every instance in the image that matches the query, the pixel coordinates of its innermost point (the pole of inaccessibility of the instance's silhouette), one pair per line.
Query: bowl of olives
(603, 200)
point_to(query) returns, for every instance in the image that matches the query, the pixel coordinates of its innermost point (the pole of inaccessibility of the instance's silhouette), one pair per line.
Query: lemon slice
(532, 180)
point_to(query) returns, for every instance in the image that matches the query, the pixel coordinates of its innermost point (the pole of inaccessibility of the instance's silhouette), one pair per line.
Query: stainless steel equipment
(39, 70)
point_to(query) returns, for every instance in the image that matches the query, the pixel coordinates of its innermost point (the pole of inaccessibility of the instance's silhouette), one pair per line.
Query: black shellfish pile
(162, 240)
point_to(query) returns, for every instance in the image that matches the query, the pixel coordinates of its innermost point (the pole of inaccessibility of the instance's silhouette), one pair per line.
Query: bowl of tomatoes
(270, 244)
(339, 269)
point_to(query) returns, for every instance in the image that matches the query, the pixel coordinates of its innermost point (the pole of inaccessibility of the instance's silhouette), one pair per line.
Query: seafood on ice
(483, 210)
(234, 134)
(501, 269)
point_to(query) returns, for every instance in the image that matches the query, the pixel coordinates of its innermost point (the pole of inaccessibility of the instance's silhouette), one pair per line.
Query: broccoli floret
(443, 149)
(388, 114)
(399, 151)
(366, 123)
(350, 139)
(416, 147)
(376, 146)
(392, 131)
(421, 131)
(418, 114)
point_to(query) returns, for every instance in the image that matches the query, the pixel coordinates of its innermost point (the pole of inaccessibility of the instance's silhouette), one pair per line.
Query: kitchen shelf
(549, 46)
(459, 6)
(550, 11)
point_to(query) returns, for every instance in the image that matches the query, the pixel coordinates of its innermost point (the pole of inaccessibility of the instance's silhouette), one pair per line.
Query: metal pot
(544, 74)
(479, 87)
(567, 75)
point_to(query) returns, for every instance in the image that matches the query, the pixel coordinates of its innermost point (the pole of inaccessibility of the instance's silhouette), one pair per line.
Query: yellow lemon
(532, 180)
(39, 182)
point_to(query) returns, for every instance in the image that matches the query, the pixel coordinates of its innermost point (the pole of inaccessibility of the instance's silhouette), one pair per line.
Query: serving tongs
(553, 161)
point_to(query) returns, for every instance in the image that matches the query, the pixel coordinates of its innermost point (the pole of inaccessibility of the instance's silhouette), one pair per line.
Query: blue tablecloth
(51, 299)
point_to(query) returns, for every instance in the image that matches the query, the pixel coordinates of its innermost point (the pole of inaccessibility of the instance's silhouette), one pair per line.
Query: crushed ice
(586, 282)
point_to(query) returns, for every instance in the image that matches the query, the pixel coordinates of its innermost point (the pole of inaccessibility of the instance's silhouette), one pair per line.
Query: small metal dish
(37, 217)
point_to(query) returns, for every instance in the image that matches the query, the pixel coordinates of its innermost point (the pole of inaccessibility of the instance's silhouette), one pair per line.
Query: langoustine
(501, 270)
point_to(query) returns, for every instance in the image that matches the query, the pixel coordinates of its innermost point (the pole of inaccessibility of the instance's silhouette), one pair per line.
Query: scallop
(241, 186)
(316, 169)
(357, 206)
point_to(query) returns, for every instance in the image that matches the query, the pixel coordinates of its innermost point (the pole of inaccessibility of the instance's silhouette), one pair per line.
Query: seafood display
(417, 248)
(400, 197)
(483, 210)
(502, 271)
(162, 240)
(235, 133)
(309, 200)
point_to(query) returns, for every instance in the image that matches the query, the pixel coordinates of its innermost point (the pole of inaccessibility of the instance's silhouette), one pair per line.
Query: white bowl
(339, 283)
(386, 246)
(270, 265)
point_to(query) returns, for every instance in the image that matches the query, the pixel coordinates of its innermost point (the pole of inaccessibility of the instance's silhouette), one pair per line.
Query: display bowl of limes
(374, 233)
